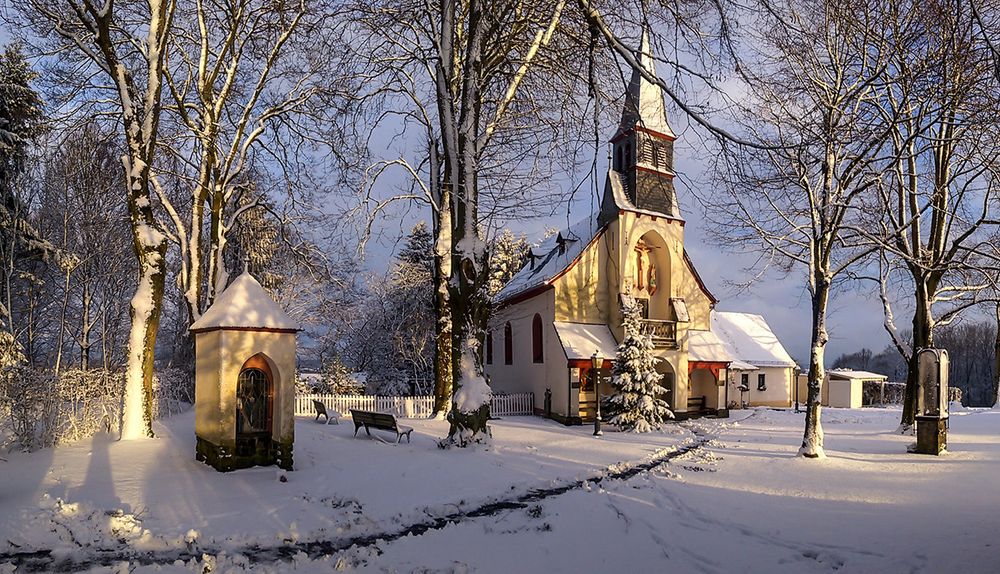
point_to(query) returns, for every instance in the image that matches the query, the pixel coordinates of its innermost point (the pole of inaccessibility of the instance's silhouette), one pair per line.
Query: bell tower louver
(643, 146)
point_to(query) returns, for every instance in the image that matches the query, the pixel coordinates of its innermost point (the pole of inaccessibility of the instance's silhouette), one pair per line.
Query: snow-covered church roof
(750, 340)
(706, 346)
(549, 260)
(244, 305)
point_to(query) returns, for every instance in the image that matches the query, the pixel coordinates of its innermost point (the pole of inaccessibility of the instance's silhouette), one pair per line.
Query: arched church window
(618, 158)
(489, 348)
(628, 155)
(536, 339)
(508, 345)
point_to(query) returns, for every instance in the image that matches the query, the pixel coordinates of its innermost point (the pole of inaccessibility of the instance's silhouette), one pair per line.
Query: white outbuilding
(244, 379)
(762, 372)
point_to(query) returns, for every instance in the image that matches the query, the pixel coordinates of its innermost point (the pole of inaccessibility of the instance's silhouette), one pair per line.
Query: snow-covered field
(741, 503)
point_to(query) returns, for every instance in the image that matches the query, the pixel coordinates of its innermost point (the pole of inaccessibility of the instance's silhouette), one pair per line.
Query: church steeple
(643, 146)
(644, 100)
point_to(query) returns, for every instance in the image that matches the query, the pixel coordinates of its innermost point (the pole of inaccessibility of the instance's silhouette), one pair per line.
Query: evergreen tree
(337, 379)
(419, 249)
(635, 406)
(21, 122)
(21, 117)
(507, 256)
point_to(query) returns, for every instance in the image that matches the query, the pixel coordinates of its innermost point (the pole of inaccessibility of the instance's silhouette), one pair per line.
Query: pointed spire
(644, 99)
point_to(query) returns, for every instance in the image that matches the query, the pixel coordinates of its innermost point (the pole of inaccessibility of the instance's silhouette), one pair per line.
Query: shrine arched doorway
(254, 407)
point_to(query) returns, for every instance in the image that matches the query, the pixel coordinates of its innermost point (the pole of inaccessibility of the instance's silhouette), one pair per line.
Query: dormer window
(563, 242)
(533, 258)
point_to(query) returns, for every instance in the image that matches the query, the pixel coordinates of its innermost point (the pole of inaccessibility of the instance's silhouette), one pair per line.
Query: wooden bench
(380, 421)
(696, 404)
(321, 410)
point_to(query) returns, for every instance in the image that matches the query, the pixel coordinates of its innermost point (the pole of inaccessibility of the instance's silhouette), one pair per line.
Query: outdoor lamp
(595, 363)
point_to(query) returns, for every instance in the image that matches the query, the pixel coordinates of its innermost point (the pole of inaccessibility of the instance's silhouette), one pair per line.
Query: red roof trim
(697, 278)
(258, 329)
(538, 289)
(525, 295)
(638, 128)
(656, 133)
(598, 235)
(669, 174)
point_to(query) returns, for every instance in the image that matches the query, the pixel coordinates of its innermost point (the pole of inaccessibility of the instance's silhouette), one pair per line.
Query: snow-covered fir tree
(635, 406)
(507, 255)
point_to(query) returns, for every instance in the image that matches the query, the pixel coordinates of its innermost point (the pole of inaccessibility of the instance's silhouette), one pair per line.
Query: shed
(761, 365)
(844, 387)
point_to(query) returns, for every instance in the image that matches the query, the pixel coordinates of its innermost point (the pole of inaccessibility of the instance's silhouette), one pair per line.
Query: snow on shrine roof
(750, 339)
(851, 374)
(706, 346)
(550, 262)
(580, 340)
(244, 305)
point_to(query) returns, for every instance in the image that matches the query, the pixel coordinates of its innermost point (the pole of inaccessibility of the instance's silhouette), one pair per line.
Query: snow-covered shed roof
(706, 346)
(244, 305)
(580, 340)
(551, 261)
(846, 374)
(749, 338)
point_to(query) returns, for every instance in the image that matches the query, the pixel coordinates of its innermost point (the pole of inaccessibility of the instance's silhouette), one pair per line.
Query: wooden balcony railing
(663, 333)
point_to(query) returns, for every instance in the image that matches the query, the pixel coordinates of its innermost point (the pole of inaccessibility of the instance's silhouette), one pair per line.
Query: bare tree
(120, 50)
(937, 195)
(466, 74)
(242, 75)
(795, 194)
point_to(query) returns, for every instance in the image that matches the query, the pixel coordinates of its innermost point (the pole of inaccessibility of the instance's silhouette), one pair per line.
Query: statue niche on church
(645, 271)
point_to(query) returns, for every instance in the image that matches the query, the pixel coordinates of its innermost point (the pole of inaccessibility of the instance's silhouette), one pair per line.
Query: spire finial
(644, 99)
(246, 263)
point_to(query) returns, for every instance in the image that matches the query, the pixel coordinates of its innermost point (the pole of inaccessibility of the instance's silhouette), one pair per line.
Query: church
(560, 315)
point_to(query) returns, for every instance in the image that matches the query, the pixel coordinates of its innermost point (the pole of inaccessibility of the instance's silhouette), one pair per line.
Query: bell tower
(643, 146)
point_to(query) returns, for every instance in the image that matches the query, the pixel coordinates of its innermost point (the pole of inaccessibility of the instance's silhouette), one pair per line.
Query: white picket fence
(409, 407)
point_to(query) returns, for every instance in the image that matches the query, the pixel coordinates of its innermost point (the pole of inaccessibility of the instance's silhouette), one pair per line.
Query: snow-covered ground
(741, 503)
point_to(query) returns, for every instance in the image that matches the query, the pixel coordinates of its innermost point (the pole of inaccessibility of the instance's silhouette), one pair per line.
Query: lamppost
(595, 363)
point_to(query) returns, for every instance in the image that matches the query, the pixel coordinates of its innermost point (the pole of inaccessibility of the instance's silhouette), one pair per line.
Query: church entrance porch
(706, 390)
(590, 381)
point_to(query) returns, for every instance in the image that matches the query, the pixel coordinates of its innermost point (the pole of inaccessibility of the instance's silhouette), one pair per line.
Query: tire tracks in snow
(48, 560)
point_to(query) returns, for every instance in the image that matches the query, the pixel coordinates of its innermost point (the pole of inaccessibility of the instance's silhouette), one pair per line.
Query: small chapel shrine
(244, 379)
(560, 315)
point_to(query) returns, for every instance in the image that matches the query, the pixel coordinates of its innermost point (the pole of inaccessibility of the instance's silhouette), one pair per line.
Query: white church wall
(524, 375)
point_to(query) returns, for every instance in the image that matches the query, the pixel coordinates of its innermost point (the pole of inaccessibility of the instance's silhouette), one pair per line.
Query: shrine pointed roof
(244, 305)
